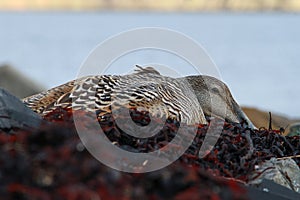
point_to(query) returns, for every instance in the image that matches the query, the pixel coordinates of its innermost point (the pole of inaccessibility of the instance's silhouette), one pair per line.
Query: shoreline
(163, 6)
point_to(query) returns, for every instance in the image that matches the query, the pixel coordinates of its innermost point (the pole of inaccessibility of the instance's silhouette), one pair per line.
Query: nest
(52, 163)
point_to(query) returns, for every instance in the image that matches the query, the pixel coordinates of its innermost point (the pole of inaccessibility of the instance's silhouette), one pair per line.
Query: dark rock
(14, 114)
(270, 190)
(294, 129)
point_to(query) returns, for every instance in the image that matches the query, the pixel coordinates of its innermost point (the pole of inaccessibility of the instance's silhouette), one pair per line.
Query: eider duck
(190, 99)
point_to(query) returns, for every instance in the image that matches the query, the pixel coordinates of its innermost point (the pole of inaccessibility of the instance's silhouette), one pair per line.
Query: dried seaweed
(52, 163)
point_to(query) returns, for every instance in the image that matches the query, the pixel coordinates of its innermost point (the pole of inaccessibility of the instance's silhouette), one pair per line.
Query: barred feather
(146, 88)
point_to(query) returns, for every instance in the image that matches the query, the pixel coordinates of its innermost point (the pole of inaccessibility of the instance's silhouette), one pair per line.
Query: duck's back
(148, 89)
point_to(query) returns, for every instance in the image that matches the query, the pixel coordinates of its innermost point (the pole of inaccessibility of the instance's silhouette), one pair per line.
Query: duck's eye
(215, 90)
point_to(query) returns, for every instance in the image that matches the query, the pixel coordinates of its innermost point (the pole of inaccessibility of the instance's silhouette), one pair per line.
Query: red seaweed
(51, 162)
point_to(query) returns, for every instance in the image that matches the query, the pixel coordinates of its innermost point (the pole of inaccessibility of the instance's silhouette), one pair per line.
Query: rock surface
(14, 114)
(285, 172)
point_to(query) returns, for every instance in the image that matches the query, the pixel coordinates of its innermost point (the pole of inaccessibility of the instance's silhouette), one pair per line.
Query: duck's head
(216, 100)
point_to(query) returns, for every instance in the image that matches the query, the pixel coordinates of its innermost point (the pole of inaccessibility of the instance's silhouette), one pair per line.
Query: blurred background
(254, 43)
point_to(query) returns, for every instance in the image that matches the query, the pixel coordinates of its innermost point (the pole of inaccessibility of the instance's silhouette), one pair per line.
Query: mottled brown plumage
(188, 99)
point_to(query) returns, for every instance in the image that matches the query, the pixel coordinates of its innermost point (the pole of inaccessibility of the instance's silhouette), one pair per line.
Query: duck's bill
(241, 116)
(233, 114)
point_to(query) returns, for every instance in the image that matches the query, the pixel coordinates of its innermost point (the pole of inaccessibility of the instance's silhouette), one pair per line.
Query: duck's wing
(146, 70)
(161, 96)
(47, 100)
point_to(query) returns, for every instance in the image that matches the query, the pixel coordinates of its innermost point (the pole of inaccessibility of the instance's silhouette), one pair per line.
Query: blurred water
(257, 54)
